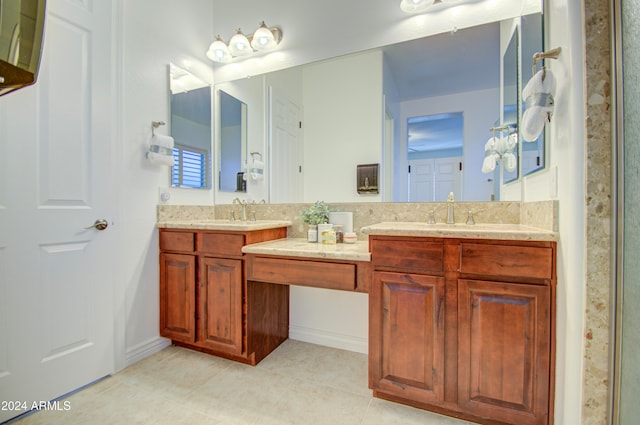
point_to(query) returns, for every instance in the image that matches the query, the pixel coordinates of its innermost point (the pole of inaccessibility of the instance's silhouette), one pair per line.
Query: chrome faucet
(450, 217)
(243, 204)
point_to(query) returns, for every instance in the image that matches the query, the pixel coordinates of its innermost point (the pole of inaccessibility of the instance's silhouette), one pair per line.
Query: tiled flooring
(299, 383)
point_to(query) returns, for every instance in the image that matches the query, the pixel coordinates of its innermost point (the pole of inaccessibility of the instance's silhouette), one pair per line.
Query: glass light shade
(263, 39)
(239, 45)
(218, 51)
(416, 6)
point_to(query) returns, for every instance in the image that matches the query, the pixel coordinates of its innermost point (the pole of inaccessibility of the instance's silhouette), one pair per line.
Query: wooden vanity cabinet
(203, 293)
(464, 327)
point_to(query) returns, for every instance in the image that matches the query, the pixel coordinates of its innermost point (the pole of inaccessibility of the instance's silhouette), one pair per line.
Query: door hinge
(409, 168)
(299, 124)
(538, 161)
(460, 166)
(299, 168)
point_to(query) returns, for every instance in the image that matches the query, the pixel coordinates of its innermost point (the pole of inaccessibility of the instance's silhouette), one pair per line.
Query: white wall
(155, 32)
(480, 109)
(342, 125)
(567, 154)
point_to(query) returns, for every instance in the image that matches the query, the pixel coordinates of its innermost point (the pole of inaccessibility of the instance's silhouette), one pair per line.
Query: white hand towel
(491, 145)
(162, 141)
(490, 162)
(538, 96)
(161, 150)
(160, 159)
(257, 170)
(509, 161)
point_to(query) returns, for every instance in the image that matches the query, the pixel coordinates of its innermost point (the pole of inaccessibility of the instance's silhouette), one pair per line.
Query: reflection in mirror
(435, 156)
(533, 153)
(233, 142)
(354, 110)
(510, 103)
(190, 103)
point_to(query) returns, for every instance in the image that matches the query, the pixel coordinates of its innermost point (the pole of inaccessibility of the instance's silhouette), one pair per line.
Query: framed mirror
(232, 143)
(510, 110)
(532, 153)
(190, 127)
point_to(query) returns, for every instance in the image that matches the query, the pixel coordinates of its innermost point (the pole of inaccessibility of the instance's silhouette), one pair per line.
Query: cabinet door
(220, 305)
(177, 297)
(407, 336)
(504, 349)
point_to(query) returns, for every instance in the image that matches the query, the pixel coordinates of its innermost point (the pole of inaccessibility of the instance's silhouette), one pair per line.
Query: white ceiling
(453, 62)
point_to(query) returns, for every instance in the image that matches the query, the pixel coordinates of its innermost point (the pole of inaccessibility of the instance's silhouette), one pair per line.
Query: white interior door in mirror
(286, 150)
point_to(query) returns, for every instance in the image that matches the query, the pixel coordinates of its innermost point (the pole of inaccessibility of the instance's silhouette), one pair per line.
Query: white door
(421, 180)
(431, 180)
(285, 167)
(56, 278)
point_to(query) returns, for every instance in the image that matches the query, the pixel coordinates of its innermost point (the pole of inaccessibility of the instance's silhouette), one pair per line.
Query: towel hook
(154, 125)
(256, 153)
(549, 54)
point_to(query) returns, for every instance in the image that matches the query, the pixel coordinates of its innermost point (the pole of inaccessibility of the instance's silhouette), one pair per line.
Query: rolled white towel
(490, 162)
(161, 141)
(511, 142)
(257, 170)
(160, 159)
(538, 97)
(491, 145)
(509, 160)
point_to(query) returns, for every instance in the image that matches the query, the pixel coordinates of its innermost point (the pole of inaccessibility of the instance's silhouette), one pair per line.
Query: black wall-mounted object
(367, 178)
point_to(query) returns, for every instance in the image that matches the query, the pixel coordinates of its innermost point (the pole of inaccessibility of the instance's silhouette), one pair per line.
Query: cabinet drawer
(302, 272)
(220, 243)
(177, 241)
(411, 254)
(507, 260)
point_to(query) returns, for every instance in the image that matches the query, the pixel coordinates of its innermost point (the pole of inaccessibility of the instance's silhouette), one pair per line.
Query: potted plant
(317, 213)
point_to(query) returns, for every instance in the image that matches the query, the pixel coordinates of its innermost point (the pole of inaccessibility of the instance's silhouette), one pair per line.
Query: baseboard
(329, 339)
(145, 349)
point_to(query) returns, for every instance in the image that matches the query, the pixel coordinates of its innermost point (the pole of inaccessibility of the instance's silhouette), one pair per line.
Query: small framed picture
(367, 179)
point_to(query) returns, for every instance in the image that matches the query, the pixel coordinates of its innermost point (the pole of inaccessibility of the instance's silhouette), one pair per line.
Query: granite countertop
(299, 247)
(476, 231)
(239, 226)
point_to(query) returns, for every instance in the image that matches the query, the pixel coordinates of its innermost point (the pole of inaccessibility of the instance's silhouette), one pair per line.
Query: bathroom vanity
(463, 326)
(205, 302)
(461, 318)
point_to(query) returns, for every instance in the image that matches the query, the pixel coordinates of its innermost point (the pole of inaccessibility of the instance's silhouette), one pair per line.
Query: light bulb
(263, 39)
(239, 45)
(218, 51)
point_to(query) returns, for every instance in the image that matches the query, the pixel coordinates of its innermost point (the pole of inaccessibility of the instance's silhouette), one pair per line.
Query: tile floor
(299, 383)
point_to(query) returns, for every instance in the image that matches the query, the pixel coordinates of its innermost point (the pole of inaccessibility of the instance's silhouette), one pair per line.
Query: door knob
(100, 224)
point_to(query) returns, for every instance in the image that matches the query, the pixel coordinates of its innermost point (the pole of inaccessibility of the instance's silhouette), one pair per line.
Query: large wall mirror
(190, 126)
(367, 107)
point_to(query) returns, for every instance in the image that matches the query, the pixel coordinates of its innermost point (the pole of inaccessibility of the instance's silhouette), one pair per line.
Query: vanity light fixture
(424, 6)
(264, 39)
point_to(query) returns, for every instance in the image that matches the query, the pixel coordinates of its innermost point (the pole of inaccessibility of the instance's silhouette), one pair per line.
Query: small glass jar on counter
(339, 233)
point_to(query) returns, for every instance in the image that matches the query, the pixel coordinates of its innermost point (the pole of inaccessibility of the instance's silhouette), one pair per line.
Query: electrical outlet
(164, 195)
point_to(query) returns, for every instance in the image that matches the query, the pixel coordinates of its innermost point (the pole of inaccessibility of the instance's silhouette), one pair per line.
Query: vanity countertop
(476, 231)
(300, 247)
(238, 226)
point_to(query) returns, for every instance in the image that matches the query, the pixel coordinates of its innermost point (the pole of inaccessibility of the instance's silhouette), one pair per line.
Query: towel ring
(256, 153)
(549, 54)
